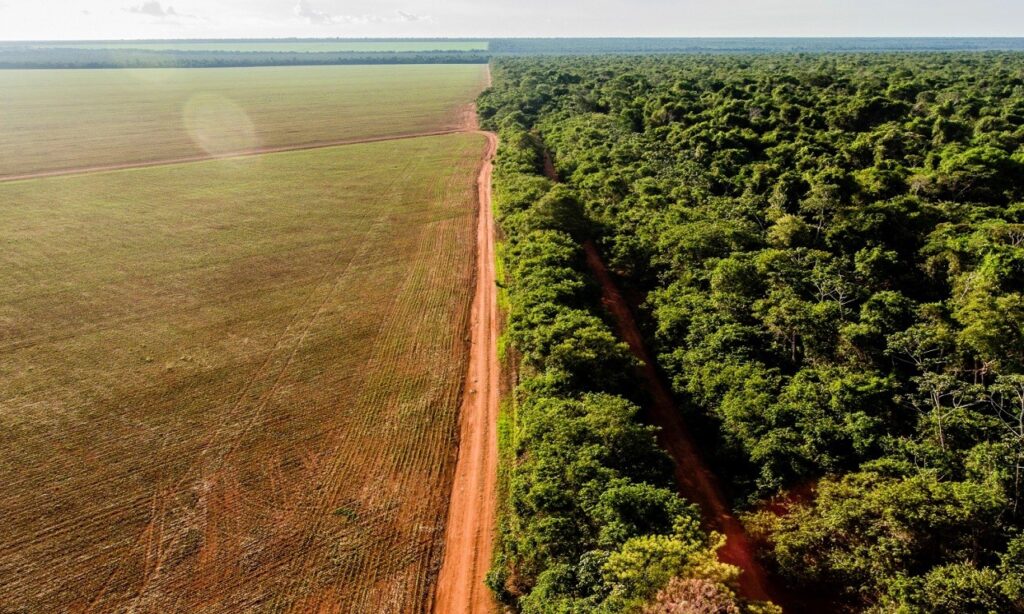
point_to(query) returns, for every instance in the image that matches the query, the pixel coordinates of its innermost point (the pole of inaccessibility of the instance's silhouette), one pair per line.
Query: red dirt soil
(470, 529)
(696, 482)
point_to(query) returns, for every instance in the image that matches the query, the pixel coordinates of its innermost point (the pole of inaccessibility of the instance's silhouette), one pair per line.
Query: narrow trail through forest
(696, 482)
(469, 532)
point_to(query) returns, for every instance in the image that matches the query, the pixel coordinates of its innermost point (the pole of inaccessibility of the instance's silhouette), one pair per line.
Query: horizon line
(490, 38)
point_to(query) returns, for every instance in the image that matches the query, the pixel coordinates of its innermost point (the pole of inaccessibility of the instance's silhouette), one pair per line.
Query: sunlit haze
(123, 19)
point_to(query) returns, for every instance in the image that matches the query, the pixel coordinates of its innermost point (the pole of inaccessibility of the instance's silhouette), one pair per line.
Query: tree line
(18, 57)
(670, 45)
(55, 54)
(831, 254)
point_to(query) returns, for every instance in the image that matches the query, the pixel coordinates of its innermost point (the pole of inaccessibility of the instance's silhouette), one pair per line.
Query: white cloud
(306, 11)
(113, 19)
(153, 9)
(314, 15)
(411, 17)
(358, 19)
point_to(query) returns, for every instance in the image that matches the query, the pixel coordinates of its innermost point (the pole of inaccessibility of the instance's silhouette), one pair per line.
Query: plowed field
(234, 385)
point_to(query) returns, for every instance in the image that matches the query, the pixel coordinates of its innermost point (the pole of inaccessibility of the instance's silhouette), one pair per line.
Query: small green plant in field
(346, 512)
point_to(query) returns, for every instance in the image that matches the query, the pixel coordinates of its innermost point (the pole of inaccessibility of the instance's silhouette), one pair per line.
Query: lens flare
(219, 126)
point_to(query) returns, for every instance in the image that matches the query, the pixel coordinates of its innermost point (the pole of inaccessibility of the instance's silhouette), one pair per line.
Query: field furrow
(235, 386)
(58, 120)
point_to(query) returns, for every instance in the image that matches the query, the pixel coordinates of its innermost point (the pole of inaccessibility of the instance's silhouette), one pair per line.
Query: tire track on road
(470, 529)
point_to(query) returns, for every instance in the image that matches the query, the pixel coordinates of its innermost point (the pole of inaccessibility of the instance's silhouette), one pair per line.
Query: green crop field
(233, 385)
(278, 46)
(65, 119)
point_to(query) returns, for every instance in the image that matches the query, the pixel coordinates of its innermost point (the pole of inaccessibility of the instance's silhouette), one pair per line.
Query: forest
(827, 254)
(670, 45)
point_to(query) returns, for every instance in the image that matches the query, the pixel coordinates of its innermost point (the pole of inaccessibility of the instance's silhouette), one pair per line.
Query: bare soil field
(234, 385)
(56, 120)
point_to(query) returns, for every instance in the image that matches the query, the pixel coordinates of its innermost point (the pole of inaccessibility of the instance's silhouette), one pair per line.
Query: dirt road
(695, 480)
(471, 516)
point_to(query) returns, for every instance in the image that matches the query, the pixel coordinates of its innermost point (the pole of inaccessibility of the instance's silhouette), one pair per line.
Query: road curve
(470, 529)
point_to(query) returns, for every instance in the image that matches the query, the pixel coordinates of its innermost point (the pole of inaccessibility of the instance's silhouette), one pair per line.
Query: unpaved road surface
(471, 516)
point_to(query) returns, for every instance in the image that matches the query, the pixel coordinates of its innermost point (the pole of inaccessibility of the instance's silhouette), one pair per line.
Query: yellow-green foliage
(646, 563)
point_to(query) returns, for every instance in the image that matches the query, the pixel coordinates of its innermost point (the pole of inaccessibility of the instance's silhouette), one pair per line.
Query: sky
(128, 19)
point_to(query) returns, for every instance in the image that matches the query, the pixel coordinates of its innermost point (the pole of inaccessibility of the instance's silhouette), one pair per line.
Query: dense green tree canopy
(831, 248)
(591, 522)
